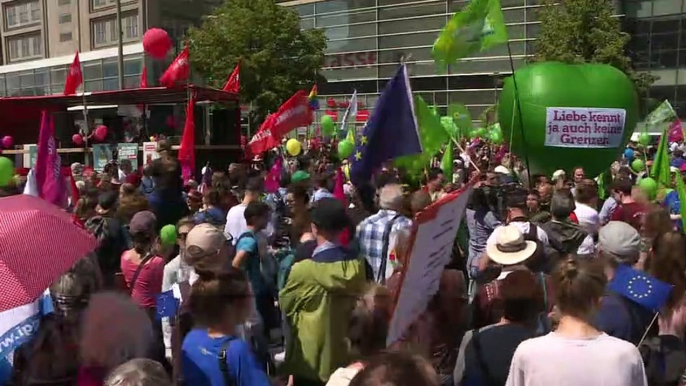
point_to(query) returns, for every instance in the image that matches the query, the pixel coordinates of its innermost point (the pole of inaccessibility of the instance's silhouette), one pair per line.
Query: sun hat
(204, 240)
(559, 173)
(510, 247)
(621, 240)
(500, 169)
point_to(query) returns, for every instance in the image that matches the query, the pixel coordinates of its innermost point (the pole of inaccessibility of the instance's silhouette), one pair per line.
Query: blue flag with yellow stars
(390, 132)
(640, 288)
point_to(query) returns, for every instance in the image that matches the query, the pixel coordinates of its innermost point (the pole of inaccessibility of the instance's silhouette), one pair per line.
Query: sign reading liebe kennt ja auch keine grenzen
(584, 127)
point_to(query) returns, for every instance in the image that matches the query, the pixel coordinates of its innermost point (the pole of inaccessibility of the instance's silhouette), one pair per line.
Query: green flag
(660, 169)
(447, 162)
(478, 27)
(350, 137)
(663, 114)
(432, 135)
(681, 191)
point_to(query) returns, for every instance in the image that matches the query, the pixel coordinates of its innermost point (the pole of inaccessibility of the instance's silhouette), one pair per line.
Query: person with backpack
(251, 257)
(212, 352)
(485, 354)
(206, 249)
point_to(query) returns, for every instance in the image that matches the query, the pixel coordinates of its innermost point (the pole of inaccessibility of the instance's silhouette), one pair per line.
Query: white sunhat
(510, 247)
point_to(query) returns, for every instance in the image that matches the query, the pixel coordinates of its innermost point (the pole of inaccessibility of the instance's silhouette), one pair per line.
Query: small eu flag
(390, 132)
(640, 288)
(166, 305)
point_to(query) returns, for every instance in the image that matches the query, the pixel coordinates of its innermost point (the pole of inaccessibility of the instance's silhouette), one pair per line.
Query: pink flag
(338, 191)
(271, 183)
(676, 131)
(49, 181)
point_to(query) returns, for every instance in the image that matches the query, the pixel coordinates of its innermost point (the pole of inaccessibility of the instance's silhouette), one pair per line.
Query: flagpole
(519, 112)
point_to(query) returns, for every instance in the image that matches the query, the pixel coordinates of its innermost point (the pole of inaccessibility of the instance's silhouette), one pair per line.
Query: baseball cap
(620, 240)
(300, 176)
(143, 222)
(204, 240)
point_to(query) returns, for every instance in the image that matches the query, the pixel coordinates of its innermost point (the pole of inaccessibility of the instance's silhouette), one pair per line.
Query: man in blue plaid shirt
(371, 231)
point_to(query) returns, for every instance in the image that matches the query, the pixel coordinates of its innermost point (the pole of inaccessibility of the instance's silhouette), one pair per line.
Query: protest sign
(431, 244)
(102, 154)
(150, 152)
(128, 151)
(584, 127)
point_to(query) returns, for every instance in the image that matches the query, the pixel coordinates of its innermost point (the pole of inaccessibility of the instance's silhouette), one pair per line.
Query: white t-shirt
(236, 224)
(554, 360)
(588, 218)
(524, 228)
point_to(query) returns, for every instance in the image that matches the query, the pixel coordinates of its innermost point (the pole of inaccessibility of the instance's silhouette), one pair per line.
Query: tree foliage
(586, 31)
(277, 57)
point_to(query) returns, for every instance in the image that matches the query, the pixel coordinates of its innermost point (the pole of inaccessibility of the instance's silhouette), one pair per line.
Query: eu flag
(166, 305)
(640, 288)
(390, 132)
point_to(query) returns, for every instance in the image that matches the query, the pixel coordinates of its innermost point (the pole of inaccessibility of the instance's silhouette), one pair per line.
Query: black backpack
(664, 358)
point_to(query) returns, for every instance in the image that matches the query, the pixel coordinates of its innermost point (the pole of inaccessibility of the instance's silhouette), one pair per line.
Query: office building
(40, 37)
(368, 38)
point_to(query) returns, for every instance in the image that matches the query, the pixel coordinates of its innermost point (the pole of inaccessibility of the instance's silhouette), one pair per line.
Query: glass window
(407, 40)
(132, 66)
(412, 25)
(13, 85)
(14, 49)
(305, 9)
(412, 10)
(429, 84)
(23, 14)
(394, 56)
(342, 5)
(349, 73)
(130, 26)
(11, 16)
(3, 90)
(37, 45)
(514, 15)
(63, 2)
(65, 18)
(346, 45)
(92, 70)
(307, 23)
(351, 59)
(110, 84)
(24, 47)
(98, 3)
(42, 77)
(104, 32)
(352, 31)
(109, 68)
(65, 37)
(345, 18)
(34, 6)
(58, 75)
(93, 85)
(481, 97)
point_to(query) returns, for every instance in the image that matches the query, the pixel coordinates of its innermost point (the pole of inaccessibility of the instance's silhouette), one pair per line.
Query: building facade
(367, 39)
(40, 37)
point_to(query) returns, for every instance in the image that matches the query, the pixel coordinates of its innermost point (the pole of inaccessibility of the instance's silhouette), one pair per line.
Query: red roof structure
(20, 116)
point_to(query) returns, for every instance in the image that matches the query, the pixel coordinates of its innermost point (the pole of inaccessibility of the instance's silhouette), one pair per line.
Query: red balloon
(7, 141)
(100, 133)
(77, 139)
(157, 43)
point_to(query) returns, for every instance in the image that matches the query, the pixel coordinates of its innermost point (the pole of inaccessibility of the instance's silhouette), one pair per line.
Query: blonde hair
(138, 372)
(115, 330)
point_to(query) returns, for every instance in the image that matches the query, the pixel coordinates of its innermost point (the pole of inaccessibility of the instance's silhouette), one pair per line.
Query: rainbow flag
(312, 98)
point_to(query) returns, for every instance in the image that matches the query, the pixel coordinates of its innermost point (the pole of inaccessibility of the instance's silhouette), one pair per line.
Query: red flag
(187, 147)
(74, 77)
(178, 71)
(234, 82)
(294, 113)
(144, 78)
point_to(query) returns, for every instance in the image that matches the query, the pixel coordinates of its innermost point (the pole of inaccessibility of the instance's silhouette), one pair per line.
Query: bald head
(391, 197)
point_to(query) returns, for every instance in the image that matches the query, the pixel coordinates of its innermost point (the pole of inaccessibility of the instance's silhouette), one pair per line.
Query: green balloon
(345, 149)
(497, 138)
(644, 139)
(168, 235)
(637, 165)
(649, 187)
(481, 132)
(327, 125)
(6, 171)
(554, 84)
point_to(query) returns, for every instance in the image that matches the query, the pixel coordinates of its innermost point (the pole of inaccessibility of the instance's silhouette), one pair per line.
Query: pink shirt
(149, 282)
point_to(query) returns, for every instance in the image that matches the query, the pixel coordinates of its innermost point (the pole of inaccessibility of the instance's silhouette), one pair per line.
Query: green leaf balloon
(461, 117)
(327, 125)
(554, 84)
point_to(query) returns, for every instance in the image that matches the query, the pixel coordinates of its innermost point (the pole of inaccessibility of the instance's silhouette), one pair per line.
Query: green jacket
(318, 300)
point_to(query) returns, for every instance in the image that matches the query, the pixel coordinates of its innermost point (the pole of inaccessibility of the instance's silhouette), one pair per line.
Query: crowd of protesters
(295, 286)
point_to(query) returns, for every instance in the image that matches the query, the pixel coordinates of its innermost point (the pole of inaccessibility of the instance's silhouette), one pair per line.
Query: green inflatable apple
(573, 115)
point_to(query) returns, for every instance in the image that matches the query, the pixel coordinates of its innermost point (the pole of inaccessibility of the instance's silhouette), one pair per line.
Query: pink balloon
(100, 133)
(157, 43)
(77, 139)
(7, 141)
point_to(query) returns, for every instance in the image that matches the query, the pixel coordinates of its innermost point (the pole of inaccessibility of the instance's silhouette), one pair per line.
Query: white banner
(431, 244)
(584, 127)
